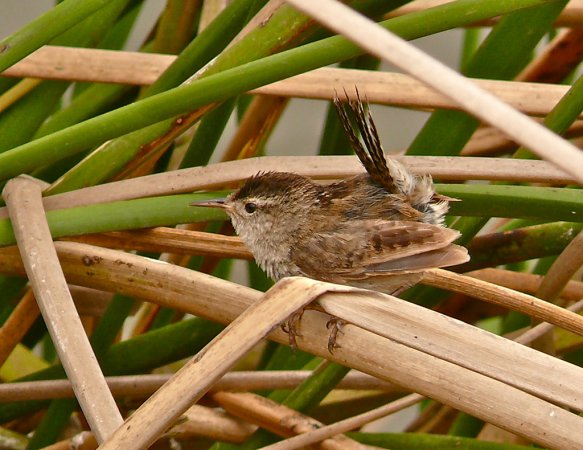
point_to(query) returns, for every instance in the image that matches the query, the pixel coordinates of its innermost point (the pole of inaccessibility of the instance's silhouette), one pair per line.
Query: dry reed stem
(420, 424)
(562, 270)
(441, 336)
(216, 176)
(17, 324)
(352, 423)
(514, 280)
(277, 418)
(222, 301)
(145, 385)
(170, 240)
(572, 14)
(82, 441)
(23, 197)
(258, 121)
(488, 140)
(525, 282)
(90, 302)
(505, 297)
(491, 433)
(388, 88)
(194, 379)
(438, 422)
(201, 421)
(107, 65)
(144, 163)
(557, 60)
(390, 48)
(476, 288)
(480, 289)
(542, 328)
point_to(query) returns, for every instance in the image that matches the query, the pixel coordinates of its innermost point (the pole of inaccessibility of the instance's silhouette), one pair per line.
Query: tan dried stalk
(196, 377)
(478, 394)
(24, 200)
(82, 441)
(485, 291)
(542, 328)
(502, 296)
(489, 141)
(79, 64)
(217, 176)
(278, 419)
(352, 423)
(525, 282)
(565, 266)
(145, 385)
(170, 240)
(201, 421)
(258, 122)
(17, 324)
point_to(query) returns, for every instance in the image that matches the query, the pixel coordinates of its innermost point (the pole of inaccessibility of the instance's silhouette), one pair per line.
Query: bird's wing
(364, 248)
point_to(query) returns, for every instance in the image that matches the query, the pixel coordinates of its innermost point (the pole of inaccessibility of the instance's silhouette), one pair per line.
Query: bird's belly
(278, 269)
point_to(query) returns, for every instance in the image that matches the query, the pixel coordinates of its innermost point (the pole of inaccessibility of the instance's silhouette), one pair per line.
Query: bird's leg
(290, 327)
(336, 325)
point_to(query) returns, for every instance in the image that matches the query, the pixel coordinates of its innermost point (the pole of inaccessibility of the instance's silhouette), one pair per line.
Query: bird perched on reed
(378, 230)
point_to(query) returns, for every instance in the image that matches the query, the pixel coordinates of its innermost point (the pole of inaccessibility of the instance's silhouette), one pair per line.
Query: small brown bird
(379, 230)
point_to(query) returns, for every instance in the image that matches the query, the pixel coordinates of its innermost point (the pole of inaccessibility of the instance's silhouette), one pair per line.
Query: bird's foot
(336, 325)
(290, 326)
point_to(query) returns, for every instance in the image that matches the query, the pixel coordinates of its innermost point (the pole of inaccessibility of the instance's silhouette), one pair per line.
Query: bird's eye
(250, 207)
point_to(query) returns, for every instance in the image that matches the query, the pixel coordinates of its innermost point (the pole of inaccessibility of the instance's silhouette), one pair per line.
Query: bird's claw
(290, 326)
(336, 325)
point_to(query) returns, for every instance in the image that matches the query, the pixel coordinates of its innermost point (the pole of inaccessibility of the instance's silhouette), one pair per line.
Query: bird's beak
(217, 203)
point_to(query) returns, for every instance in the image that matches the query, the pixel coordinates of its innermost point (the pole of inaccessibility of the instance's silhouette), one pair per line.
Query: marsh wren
(379, 230)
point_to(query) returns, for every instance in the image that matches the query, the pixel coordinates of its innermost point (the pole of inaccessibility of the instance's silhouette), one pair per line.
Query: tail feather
(387, 172)
(371, 154)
